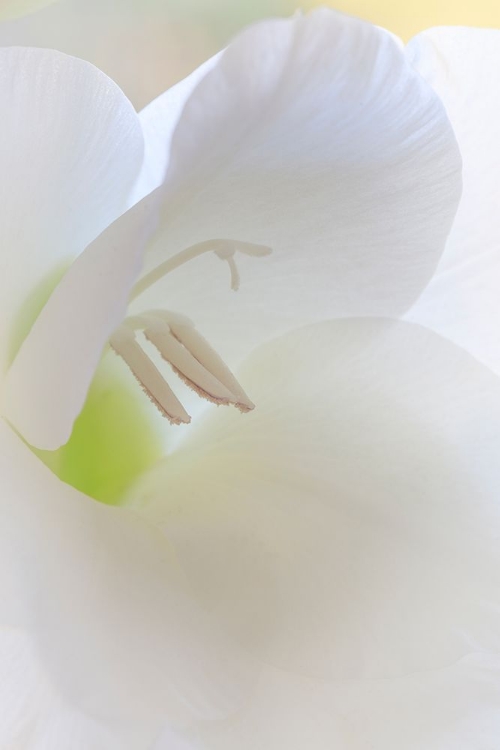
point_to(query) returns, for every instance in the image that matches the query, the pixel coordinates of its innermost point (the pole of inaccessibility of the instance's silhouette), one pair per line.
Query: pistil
(225, 249)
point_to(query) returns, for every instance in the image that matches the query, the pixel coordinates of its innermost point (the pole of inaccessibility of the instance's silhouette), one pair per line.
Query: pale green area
(114, 440)
(16, 8)
(32, 307)
(117, 435)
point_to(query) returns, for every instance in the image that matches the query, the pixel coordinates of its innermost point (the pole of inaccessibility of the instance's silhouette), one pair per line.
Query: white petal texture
(324, 570)
(71, 147)
(347, 530)
(66, 342)
(67, 339)
(313, 136)
(316, 137)
(70, 150)
(462, 301)
(104, 608)
(159, 120)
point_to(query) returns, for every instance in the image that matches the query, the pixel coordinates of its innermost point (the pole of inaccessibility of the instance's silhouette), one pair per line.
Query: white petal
(173, 740)
(67, 339)
(105, 604)
(159, 120)
(313, 136)
(70, 149)
(348, 527)
(316, 137)
(451, 709)
(462, 301)
(46, 385)
(35, 717)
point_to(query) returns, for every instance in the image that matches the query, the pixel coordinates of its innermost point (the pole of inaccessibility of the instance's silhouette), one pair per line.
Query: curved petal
(451, 709)
(71, 146)
(70, 149)
(462, 300)
(66, 341)
(313, 136)
(348, 527)
(159, 120)
(316, 137)
(36, 717)
(67, 338)
(106, 608)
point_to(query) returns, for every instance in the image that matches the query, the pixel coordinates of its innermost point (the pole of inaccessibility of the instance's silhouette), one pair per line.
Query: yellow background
(408, 18)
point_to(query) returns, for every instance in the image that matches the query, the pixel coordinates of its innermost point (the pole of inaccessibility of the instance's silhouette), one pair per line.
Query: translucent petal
(159, 120)
(70, 149)
(48, 381)
(462, 300)
(106, 608)
(348, 527)
(313, 136)
(316, 137)
(449, 709)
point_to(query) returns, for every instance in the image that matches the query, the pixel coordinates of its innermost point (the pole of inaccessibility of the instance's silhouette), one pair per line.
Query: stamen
(185, 332)
(190, 356)
(178, 342)
(184, 364)
(224, 248)
(124, 343)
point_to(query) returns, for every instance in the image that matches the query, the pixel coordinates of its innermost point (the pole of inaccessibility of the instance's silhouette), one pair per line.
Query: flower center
(115, 439)
(117, 436)
(179, 343)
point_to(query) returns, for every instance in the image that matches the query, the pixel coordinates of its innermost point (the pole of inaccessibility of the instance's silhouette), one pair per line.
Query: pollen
(124, 343)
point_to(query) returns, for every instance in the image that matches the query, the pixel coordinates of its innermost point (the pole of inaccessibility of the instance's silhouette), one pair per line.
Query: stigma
(179, 343)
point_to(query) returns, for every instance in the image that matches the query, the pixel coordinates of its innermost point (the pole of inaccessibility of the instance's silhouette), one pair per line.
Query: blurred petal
(316, 137)
(449, 709)
(348, 527)
(462, 301)
(106, 607)
(35, 717)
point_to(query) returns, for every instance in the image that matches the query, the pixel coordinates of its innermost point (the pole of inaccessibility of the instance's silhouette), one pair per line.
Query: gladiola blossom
(322, 569)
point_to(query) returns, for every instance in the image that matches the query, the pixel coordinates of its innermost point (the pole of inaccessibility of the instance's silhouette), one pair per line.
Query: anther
(179, 343)
(187, 367)
(124, 343)
(190, 356)
(185, 332)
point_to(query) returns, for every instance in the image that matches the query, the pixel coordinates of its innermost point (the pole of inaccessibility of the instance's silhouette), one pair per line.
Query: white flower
(322, 571)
